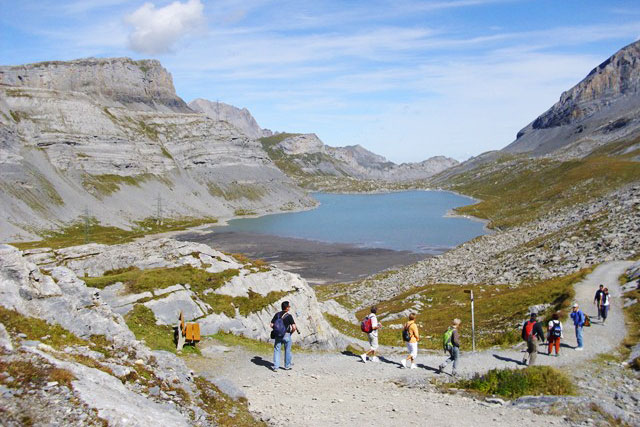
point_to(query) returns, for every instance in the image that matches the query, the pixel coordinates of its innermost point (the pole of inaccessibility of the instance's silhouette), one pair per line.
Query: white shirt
(550, 326)
(374, 324)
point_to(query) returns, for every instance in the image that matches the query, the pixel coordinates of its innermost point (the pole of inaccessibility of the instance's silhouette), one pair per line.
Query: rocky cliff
(603, 107)
(241, 119)
(112, 136)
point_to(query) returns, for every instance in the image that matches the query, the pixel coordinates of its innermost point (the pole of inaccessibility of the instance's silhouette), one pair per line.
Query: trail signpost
(473, 320)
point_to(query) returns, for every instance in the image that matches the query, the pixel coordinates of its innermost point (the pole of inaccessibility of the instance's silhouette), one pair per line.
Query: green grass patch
(243, 212)
(137, 281)
(522, 190)
(142, 322)
(35, 329)
(23, 372)
(166, 152)
(249, 344)
(74, 234)
(513, 383)
(499, 311)
(104, 185)
(40, 195)
(222, 410)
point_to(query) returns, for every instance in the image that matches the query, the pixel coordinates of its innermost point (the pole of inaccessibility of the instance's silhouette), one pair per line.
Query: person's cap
(534, 315)
(456, 322)
(575, 305)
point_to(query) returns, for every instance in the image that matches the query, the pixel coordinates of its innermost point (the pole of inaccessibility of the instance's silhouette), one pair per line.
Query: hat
(534, 315)
(575, 305)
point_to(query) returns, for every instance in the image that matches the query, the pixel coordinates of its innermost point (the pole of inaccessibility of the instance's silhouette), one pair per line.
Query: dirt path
(337, 389)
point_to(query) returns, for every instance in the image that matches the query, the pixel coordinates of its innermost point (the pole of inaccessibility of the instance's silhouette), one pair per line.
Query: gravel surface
(325, 388)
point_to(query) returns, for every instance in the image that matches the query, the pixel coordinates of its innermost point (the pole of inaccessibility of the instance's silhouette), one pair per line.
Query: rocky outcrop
(603, 107)
(116, 82)
(166, 302)
(67, 145)
(240, 119)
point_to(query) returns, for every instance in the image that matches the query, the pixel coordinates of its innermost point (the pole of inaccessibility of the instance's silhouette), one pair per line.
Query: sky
(405, 79)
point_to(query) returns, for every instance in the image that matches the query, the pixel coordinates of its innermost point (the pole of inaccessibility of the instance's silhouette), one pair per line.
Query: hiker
(554, 330)
(282, 326)
(598, 297)
(578, 321)
(604, 305)
(451, 344)
(370, 325)
(531, 333)
(411, 335)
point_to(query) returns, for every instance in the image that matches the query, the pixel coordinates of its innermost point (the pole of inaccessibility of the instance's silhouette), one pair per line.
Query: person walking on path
(411, 331)
(282, 326)
(372, 335)
(605, 301)
(578, 321)
(554, 329)
(532, 333)
(451, 343)
(597, 298)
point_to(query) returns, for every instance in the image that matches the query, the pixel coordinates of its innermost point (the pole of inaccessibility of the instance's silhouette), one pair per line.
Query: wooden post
(473, 321)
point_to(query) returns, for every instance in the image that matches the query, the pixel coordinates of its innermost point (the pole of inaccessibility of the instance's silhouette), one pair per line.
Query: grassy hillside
(499, 310)
(517, 190)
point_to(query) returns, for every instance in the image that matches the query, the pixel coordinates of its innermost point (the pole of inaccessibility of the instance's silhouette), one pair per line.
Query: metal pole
(473, 325)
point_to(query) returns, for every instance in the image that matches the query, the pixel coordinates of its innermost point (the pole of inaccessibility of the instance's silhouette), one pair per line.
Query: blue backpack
(279, 329)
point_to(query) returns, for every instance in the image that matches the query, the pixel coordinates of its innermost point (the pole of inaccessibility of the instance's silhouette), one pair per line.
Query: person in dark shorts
(532, 333)
(283, 326)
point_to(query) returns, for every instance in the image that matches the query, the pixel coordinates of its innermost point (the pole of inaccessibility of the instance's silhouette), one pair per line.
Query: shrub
(513, 383)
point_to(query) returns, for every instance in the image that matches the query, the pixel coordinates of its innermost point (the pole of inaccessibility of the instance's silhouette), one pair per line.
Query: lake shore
(317, 262)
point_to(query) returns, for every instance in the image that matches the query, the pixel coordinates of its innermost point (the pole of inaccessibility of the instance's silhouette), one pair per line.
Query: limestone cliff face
(241, 119)
(143, 85)
(308, 153)
(603, 107)
(66, 146)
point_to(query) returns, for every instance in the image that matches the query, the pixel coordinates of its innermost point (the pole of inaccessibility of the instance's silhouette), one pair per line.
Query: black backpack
(406, 335)
(555, 331)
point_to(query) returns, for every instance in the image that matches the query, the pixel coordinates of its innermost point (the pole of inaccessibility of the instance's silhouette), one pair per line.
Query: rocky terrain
(603, 107)
(305, 155)
(241, 119)
(69, 346)
(557, 245)
(112, 136)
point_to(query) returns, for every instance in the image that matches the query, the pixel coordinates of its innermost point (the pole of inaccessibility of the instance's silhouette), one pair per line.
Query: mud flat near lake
(317, 262)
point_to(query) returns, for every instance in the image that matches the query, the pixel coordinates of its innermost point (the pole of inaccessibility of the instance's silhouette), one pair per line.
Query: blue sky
(405, 79)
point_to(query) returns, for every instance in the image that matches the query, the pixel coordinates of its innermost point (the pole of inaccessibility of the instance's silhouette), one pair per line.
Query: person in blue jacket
(578, 321)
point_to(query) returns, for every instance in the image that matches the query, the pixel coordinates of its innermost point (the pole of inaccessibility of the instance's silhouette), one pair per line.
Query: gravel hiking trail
(325, 388)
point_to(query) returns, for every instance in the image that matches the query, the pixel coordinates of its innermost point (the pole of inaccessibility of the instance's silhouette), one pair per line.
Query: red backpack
(528, 328)
(365, 325)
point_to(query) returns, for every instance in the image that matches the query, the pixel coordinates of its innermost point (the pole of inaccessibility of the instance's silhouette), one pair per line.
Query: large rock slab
(167, 310)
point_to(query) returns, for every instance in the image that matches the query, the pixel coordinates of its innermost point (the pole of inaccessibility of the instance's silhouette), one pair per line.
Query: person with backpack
(370, 326)
(451, 345)
(597, 298)
(282, 326)
(554, 329)
(411, 336)
(579, 319)
(532, 333)
(604, 305)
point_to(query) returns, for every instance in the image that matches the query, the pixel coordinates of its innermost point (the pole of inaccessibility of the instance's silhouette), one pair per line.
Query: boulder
(167, 310)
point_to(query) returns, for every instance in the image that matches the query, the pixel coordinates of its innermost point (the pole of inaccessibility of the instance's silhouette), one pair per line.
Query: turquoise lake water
(412, 220)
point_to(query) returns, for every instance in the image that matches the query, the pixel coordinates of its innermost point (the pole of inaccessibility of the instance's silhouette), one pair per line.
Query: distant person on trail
(411, 336)
(370, 325)
(597, 298)
(451, 345)
(282, 326)
(604, 305)
(554, 332)
(578, 321)
(532, 333)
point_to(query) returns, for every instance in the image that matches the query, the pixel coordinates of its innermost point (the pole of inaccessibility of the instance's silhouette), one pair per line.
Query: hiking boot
(288, 368)
(364, 358)
(440, 368)
(375, 359)
(403, 362)
(273, 369)
(413, 366)
(579, 348)
(524, 360)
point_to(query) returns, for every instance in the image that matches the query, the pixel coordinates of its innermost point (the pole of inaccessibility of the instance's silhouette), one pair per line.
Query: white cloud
(158, 30)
